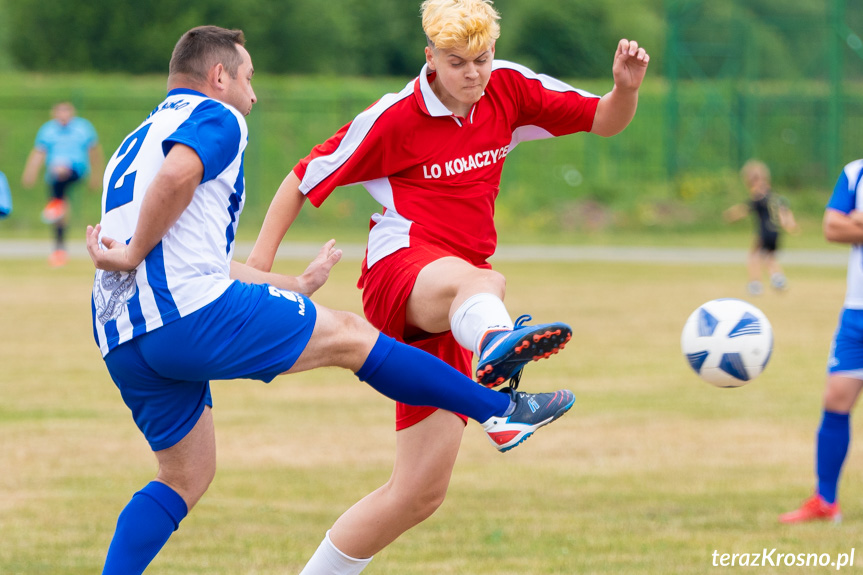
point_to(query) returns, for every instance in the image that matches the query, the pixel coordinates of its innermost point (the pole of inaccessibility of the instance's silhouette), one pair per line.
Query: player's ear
(216, 77)
(430, 58)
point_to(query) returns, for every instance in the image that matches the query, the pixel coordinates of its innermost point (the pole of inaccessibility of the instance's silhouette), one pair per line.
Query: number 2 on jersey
(121, 196)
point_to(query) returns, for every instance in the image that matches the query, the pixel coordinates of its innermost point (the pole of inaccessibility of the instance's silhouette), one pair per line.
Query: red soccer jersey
(436, 174)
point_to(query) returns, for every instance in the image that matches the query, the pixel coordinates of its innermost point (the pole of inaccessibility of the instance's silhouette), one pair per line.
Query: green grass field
(650, 472)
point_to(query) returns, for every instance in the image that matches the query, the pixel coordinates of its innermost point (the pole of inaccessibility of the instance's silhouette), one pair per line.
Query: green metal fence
(727, 94)
(734, 93)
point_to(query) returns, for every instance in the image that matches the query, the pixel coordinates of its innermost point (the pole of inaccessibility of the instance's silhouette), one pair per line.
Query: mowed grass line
(650, 473)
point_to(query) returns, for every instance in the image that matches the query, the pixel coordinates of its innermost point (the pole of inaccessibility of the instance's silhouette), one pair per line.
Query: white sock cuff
(330, 560)
(345, 556)
(479, 313)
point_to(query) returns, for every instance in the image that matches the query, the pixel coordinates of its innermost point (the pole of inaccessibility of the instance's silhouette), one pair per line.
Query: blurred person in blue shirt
(68, 147)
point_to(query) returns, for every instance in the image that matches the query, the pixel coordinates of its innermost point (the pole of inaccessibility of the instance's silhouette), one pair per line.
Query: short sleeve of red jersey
(364, 150)
(547, 103)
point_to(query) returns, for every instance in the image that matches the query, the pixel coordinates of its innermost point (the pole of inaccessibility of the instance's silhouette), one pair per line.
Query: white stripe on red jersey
(435, 174)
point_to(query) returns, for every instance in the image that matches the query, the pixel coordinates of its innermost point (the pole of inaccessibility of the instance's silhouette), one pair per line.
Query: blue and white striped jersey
(848, 196)
(190, 267)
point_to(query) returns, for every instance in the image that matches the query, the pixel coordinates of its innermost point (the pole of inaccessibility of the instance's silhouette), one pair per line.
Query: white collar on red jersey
(432, 103)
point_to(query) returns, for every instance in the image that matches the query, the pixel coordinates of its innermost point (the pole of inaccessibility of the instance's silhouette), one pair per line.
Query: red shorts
(386, 288)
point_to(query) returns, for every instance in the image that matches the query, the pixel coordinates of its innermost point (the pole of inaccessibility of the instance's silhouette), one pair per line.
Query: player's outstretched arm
(167, 196)
(283, 210)
(32, 167)
(788, 221)
(735, 213)
(316, 274)
(617, 108)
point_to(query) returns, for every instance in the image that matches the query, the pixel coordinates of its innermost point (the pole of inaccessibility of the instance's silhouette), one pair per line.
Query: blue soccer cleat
(504, 353)
(532, 411)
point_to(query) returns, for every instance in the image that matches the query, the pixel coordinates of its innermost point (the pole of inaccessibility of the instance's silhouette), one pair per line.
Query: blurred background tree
(567, 38)
(5, 60)
(572, 38)
(729, 80)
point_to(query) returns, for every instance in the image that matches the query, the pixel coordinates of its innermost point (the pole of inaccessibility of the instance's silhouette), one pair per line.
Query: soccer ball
(727, 342)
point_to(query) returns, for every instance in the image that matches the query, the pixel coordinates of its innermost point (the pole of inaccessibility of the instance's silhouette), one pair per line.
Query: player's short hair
(460, 24)
(753, 170)
(203, 47)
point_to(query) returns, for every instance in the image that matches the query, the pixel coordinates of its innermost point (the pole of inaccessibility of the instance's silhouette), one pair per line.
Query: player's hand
(115, 256)
(630, 65)
(318, 271)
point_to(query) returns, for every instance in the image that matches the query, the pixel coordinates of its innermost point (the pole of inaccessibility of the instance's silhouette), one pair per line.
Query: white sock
(328, 560)
(478, 314)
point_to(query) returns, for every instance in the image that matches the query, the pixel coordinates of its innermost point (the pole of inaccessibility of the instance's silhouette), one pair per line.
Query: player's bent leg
(339, 339)
(394, 369)
(425, 457)
(471, 298)
(414, 377)
(442, 286)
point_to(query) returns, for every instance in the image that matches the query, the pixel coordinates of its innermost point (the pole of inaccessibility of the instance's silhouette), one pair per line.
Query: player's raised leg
(414, 377)
(452, 294)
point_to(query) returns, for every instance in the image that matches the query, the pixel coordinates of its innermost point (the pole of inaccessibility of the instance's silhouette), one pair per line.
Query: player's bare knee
(480, 281)
(354, 340)
(841, 394)
(418, 500)
(356, 329)
(838, 399)
(190, 484)
(497, 281)
(425, 502)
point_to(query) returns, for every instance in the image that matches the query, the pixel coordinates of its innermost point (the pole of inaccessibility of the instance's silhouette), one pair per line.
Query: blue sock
(414, 377)
(834, 436)
(143, 528)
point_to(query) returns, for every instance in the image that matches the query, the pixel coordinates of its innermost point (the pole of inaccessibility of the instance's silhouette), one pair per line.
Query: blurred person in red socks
(69, 148)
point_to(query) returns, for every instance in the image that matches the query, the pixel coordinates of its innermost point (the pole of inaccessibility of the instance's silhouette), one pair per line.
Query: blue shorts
(249, 332)
(846, 353)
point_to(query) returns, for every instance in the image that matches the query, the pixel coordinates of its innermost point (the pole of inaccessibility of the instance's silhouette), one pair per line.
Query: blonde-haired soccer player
(432, 155)
(453, 25)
